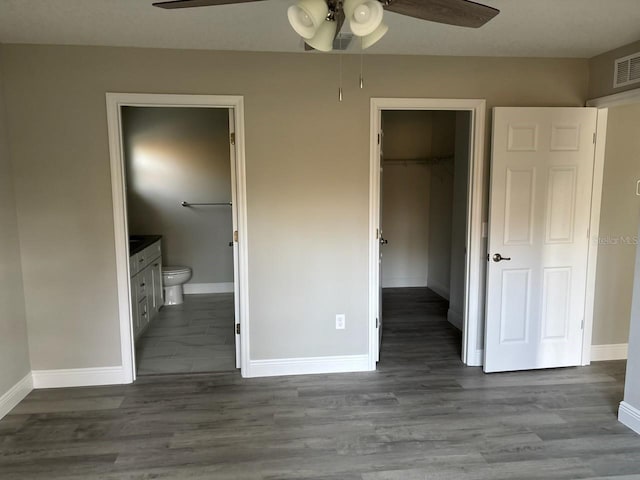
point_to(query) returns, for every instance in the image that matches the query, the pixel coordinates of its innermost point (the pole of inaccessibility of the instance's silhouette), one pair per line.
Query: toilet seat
(175, 270)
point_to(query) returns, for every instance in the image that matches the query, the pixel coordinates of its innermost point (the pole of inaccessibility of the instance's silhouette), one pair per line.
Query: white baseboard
(403, 282)
(629, 416)
(307, 366)
(455, 318)
(601, 353)
(439, 289)
(15, 395)
(476, 358)
(78, 377)
(198, 288)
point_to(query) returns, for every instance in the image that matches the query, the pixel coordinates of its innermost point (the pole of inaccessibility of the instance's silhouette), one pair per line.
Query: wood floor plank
(422, 415)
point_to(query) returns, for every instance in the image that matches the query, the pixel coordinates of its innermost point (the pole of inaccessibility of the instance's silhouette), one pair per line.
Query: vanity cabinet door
(156, 288)
(143, 313)
(135, 319)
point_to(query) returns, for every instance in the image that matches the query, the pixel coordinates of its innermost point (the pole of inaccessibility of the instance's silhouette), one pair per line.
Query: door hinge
(377, 233)
(235, 236)
(377, 323)
(237, 329)
(594, 138)
(582, 325)
(232, 138)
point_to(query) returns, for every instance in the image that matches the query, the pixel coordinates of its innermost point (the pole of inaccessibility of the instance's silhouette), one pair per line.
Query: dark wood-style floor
(421, 416)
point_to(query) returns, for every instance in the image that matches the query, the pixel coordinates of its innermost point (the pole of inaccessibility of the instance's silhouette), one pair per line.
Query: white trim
(617, 99)
(200, 288)
(80, 377)
(15, 395)
(309, 365)
(114, 103)
(455, 318)
(594, 232)
(473, 313)
(475, 358)
(600, 353)
(629, 416)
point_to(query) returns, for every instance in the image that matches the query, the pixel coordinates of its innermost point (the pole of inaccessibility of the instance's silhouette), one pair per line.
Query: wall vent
(627, 71)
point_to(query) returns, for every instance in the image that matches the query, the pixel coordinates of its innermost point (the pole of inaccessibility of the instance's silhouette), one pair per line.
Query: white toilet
(172, 280)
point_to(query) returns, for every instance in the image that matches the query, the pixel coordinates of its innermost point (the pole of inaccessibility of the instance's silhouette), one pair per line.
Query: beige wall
(459, 217)
(307, 179)
(601, 70)
(14, 349)
(619, 221)
(176, 154)
(440, 222)
(632, 385)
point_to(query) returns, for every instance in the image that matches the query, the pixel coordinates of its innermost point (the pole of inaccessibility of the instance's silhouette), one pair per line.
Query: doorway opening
(424, 196)
(180, 218)
(426, 259)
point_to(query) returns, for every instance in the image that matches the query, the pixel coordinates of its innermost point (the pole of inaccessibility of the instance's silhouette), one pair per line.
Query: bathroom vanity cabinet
(145, 266)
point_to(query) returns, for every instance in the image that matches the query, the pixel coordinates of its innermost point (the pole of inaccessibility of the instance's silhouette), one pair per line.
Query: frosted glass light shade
(376, 35)
(307, 16)
(323, 39)
(364, 16)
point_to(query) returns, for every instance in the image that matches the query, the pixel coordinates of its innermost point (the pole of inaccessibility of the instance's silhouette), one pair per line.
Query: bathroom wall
(619, 221)
(14, 348)
(410, 135)
(176, 154)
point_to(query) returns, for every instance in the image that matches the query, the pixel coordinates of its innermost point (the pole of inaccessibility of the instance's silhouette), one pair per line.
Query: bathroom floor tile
(197, 336)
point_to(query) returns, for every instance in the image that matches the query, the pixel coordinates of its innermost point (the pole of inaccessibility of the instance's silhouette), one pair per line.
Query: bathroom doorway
(180, 211)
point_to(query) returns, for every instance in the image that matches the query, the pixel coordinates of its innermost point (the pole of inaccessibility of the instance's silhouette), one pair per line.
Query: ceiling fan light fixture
(374, 36)
(364, 16)
(307, 16)
(323, 39)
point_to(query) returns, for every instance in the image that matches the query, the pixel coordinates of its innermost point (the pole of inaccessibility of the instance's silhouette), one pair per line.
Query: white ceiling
(532, 28)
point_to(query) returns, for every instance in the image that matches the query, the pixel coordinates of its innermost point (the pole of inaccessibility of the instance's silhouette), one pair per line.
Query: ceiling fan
(319, 22)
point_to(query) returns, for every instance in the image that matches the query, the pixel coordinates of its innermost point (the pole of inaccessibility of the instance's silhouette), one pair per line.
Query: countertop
(137, 243)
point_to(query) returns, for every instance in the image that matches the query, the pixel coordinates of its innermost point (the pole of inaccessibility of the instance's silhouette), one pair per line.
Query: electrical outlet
(340, 321)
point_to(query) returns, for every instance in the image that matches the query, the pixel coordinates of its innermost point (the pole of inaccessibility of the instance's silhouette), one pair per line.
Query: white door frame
(239, 204)
(475, 261)
(602, 104)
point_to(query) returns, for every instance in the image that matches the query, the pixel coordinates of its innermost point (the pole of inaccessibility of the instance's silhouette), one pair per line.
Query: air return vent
(627, 71)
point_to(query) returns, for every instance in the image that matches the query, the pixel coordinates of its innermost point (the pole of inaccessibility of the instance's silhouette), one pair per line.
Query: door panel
(381, 238)
(541, 175)
(234, 216)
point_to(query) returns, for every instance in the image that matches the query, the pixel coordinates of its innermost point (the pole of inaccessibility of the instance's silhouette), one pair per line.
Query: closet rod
(189, 204)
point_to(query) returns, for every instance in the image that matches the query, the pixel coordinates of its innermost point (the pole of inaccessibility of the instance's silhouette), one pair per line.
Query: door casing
(239, 206)
(473, 322)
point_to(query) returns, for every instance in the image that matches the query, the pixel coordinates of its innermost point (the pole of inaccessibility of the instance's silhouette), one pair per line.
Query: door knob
(498, 258)
(383, 241)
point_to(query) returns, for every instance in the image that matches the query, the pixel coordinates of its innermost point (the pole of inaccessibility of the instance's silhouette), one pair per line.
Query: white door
(234, 216)
(540, 202)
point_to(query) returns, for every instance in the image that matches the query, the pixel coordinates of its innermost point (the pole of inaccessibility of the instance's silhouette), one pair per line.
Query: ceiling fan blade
(462, 13)
(198, 3)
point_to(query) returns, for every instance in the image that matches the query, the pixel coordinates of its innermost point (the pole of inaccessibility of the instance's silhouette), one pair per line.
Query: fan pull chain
(340, 81)
(361, 64)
